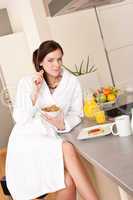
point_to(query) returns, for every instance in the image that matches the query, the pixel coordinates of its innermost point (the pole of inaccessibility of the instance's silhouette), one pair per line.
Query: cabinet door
(6, 122)
(117, 28)
(122, 66)
(117, 25)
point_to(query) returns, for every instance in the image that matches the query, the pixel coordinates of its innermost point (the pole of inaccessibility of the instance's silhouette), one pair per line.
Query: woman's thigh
(68, 149)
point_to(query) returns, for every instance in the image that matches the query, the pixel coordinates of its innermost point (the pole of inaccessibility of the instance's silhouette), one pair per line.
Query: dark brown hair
(44, 49)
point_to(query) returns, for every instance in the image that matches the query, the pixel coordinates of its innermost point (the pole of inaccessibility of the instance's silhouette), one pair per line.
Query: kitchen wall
(79, 35)
(15, 60)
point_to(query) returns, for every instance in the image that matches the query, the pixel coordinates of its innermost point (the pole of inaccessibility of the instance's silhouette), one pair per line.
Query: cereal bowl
(51, 110)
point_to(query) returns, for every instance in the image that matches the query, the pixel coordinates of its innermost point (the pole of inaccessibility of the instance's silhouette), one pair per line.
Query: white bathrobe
(34, 164)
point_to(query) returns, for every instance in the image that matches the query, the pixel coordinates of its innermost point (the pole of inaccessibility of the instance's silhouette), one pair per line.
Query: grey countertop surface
(111, 154)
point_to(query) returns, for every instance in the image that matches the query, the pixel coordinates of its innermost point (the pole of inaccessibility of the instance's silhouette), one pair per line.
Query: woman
(38, 160)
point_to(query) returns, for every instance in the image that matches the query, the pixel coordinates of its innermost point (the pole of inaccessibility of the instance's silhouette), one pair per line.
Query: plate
(95, 131)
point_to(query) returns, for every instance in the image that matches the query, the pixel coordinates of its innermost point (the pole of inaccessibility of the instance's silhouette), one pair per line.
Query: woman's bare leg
(69, 193)
(78, 173)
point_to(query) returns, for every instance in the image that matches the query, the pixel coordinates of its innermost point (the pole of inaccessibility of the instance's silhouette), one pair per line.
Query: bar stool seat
(6, 191)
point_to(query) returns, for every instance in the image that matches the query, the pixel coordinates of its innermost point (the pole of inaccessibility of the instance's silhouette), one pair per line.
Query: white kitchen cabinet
(117, 29)
(117, 25)
(122, 66)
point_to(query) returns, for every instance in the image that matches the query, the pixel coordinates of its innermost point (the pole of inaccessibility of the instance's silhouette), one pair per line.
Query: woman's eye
(60, 59)
(50, 60)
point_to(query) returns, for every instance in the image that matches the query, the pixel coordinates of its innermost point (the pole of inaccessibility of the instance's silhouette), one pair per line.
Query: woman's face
(52, 63)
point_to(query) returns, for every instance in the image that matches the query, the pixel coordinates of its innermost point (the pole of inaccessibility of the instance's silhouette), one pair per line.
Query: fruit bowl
(106, 97)
(108, 104)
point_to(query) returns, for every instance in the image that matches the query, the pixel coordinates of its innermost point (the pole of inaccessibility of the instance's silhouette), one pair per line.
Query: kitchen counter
(111, 154)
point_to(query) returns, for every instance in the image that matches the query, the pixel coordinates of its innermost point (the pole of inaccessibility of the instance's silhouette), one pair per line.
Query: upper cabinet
(122, 66)
(117, 29)
(117, 25)
(60, 7)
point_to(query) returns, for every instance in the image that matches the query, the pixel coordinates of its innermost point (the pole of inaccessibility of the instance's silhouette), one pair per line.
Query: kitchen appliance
(60, 7)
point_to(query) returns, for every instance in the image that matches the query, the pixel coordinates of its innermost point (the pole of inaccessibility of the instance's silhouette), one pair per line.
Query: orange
(106, 91)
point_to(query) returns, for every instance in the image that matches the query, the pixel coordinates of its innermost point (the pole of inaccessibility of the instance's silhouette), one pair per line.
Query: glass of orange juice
(100, 116)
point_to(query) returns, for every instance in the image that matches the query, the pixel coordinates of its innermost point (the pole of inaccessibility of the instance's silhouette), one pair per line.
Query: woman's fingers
(57, 121)
(43, 116)
(59, 118)
(37, 82)
(47, 116)
(61, 115)
(38, 78)
(41, 72)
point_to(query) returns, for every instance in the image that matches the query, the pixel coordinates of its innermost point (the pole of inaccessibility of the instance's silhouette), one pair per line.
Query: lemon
(88, 111)
(92, 102)
(89, 108)
(111, 97)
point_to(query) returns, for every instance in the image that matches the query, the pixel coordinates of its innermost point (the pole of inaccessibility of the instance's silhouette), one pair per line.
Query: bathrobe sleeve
(24, 111)
(75, 112)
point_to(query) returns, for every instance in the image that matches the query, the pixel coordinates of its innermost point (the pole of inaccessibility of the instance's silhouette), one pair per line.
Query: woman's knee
(69, 181)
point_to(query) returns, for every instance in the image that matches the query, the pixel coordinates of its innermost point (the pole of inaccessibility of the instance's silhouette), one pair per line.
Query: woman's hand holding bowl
(54, 116)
